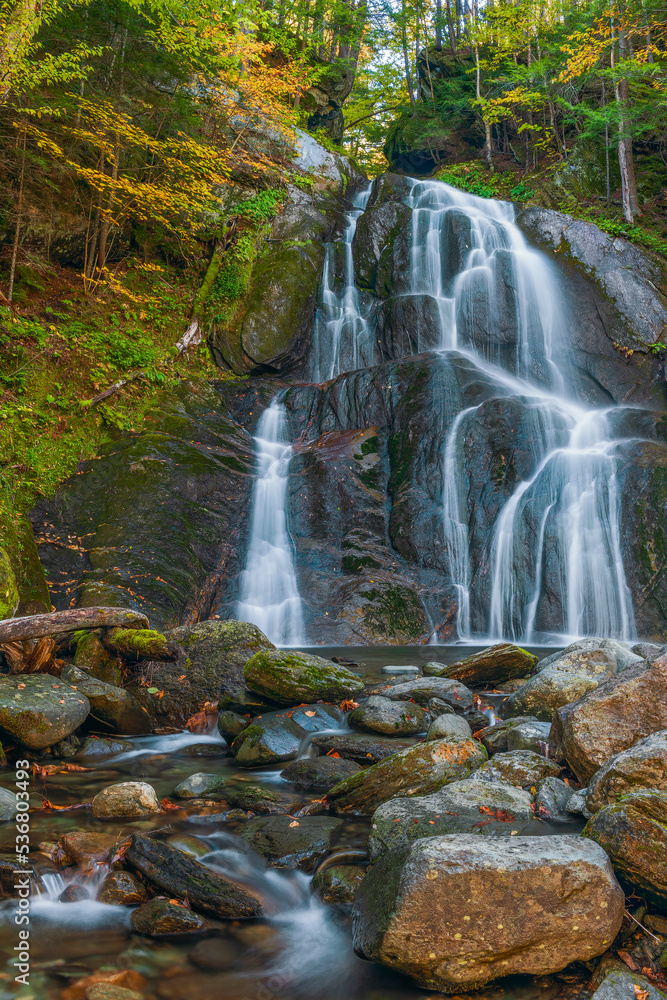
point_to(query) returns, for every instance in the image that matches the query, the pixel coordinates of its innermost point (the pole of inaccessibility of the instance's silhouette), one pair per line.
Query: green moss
(395, 611)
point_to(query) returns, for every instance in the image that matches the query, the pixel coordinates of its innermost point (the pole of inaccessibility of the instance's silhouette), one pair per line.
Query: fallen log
(142, 644)
(182, 877)
(36, 626)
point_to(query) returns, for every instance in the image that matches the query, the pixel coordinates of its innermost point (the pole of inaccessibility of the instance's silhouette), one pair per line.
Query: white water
(269, 590)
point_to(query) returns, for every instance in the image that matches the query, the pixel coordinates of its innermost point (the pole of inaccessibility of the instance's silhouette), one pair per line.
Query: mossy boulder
(161, 917)
(319, 773)
(23, 587)
(110, 705)
(277, 736)
(93, 657)
(9, 593)
(285, 842)
(643, 765)
(289, 678)
(562, 682)
(494, 665)
(521, 768)
(633, 832)
(390, 718)
(39, 710)
(418, 770)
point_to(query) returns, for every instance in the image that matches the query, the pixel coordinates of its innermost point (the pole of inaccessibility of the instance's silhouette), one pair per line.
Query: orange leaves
(46, 770)
(347, 705)
(200, 722)
(640, 993)
(332, 753)
(169, 806)
(500, 815)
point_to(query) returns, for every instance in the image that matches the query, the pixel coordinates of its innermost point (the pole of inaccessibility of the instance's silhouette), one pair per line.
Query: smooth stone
(576, 804)
(360, 747)
(291, 678)
(643, 765)
(92, 656)
(495, 737)
(338, 884)
(633, 832)
(437, 707)
(552, 799)
(259, 799)
(470, 806)
(126, 799)
(459, 911)
(433, 668)
(73, 894)
(647, 650)
(276, 736)
(113, 706)
(476, 719)
(561, 682)
(108, 991)
(319, 773)
(422, 689)
(285, 842)
(622, 984)
(231, 725)
(611, 718)
(199, 785)
(85, 846)
(39, 710)
(387, 717)
(103, 746)
(398, 669)
(419, 770)
(448, 725)
(123, 889)
(185, 842)
(521, 768)
(7, 805)
(529, 736)
(161, 917)
(493, 665)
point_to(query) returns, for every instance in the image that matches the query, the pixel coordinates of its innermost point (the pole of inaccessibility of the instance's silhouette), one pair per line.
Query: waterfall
(269, 589)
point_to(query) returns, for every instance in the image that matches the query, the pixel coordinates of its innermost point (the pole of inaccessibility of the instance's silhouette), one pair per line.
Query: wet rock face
(286, 842)
(633, 832)
(319, 773)
(289, 678)
(39, 710)
(611, 718)
(276, 736)
(456, 912)
(522, 768)
(643, 765)
(565, 680)
(111, 705)
(360, 747)
(160, 917)
(338, 884)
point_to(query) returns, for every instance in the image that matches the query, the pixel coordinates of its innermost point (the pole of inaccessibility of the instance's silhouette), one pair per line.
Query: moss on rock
(289, 678)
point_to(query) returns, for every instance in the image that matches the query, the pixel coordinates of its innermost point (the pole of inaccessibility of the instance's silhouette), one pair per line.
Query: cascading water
(269, 590)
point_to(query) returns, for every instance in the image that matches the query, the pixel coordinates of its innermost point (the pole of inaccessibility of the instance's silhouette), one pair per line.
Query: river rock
(561, 682)
(215, 653)
(276, 736)
(319, 773)
(92, 656)
(643, 765)
(622, 984)
(200, 785)
(126, 799)
(7, 805)
(160, 917)
(495, 737)
(259, 799)
(109, 991)
(422, 689)
(458, 911)
(611, 718)
(647, 650)
(633, 832)
(448, 725)
(338, 884)
(522, 768)
(492, 666)
(188, 844)
(83, 847)
(529, 736)
(102, 746)
(418, 770)
(552, 800)
(123, 889)
(184, 877)
(113, 706)
(289, 678)
(469, 806)
(382, 715)
(231, 725)
(359, 747)
(39, 710)
(286, 842)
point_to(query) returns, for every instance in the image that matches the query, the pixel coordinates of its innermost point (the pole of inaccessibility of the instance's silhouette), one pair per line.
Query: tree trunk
(625, 157)
(20, 29)
(17, 230)
(487, 125)
(438, 25)
(35, 626)
(406, 58)
(450, 27)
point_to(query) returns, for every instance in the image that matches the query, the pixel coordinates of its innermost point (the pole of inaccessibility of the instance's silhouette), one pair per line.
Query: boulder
(418, 770)
(93, 657)
(230, 725)
(286, 842)
(126, 799)
(622, 984)
(98, 746)
(183, 877)
(113, 706)
(619, 652)
(338, 884)
(647, 650)
(359, 747)
(389, 718)
(458, 911)
(552, 800)
(259, 799)
(215, 653)
(123, 889)
(469, 806)
(522, 768)
(375, 233)
(495, 737)
(39, 710)
(188, 844)
(611, 718)
(492, 666)
(319, 773)
(561, 682)
(161, 917)
(529, 736)
(448, 725)
(277, 736)
(199, 785)
(289, 678)
(633, 832)
(643, 765)
(84, 847)
(422, 689)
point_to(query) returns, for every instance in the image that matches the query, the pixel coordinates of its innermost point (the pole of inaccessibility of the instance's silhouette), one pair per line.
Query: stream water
(555, 543)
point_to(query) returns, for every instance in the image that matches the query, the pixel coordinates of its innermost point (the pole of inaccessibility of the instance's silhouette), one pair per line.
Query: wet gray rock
(259, 799)
(387, 717)
(576, 804)
(643, 765)
(618, 652)
(126, 799)
(286, 842)
(319, 773)
(123, 889)
(200, 785)
(160, 917)
(230, 725)
(276, 736)
(450, 912)
(469, 806)
(360, 747)
(103, 746)
(39, 710)
(522, 768)
(494, 665)
(422, 689)
(529, 736)
(290, 678)
(7, 805)
(552, 799)
(622, 984)
(495, 737)
(448, 725)
(376, 231)
(563, 681)
(113, 706)
(338, 884)
(437, 707)
(647, 650)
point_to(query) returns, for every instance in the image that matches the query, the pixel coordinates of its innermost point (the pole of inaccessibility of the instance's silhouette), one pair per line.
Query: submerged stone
(286, 842)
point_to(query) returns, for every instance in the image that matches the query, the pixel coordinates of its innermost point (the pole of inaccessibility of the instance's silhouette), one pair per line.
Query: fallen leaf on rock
(332, 753)
(294, 823)
(310, 714)
(169, 806)
(347, 705)
(47, 770)
(629, 961)
(640, 993)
